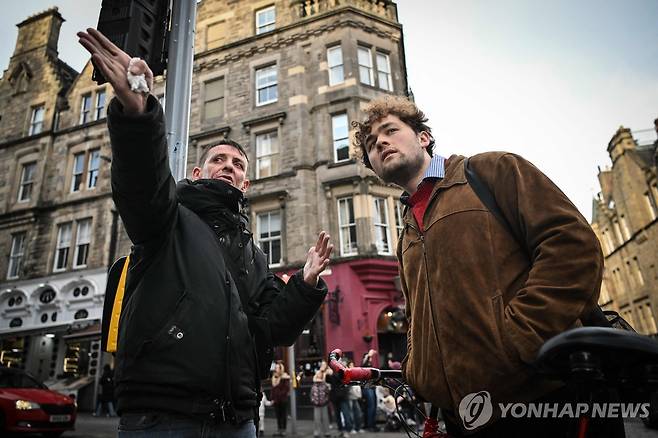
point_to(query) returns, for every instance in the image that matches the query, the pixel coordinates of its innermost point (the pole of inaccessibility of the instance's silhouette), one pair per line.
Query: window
(213, 104)
(380, 219)
(269, 235)
(625, 231)
(266, 86)
(346, 227)
(335, 61)
(63, 245)
(92, 168)
(265, 20)
(213, 36)
(340, 134)
(638, 272)
(651, 205)
(607, 240)
(82, 239)
(27, 182)
(650, 320)
(365, 66)
(78, 171)
(399, 217)
(85, 170)
(267, 154)
(617, 231)
(100, 104)
(16, 255)
(384, 71)
(36, 120)
(85, 109)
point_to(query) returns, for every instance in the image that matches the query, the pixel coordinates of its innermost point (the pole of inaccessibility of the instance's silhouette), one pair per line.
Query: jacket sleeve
(566, 262)
(142, 186)
(288, 307)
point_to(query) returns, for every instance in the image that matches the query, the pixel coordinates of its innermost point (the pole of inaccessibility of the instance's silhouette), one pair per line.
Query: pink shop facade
(364, 310)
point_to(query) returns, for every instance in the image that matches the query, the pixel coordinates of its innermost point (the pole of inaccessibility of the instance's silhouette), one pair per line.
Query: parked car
(27, 405)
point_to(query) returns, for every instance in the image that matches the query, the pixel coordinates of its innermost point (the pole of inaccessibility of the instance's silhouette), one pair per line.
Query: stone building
(283, 78)
(624, 218)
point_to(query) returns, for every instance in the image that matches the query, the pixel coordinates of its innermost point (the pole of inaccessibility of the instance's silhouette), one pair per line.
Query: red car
(27, 405)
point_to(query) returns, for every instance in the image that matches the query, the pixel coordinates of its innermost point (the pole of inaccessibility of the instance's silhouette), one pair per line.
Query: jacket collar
(454, 174)
(206, 197)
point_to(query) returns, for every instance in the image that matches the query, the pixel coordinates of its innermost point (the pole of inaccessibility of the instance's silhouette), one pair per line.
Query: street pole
(179, 83)
(293, 387)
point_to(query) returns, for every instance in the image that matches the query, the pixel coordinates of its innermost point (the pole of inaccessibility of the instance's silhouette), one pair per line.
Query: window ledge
(279, 117)
(341, 163)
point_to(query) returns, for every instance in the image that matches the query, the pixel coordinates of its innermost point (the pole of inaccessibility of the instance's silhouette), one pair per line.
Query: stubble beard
(403, 171)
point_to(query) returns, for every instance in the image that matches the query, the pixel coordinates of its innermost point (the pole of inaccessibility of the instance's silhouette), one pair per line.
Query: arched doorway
(392, 334)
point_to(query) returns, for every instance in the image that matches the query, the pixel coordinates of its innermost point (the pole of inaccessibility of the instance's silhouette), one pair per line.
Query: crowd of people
(347, 409)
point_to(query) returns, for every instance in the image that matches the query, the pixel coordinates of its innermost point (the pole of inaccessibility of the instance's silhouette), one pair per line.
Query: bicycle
(589, 360)
(378, 377)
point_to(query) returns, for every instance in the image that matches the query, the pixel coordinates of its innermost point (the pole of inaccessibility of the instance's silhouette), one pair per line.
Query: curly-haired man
(481, 298)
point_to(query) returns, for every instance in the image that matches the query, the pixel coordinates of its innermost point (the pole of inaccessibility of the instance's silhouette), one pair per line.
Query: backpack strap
(113, 303)
(596, 317)
(487, 198)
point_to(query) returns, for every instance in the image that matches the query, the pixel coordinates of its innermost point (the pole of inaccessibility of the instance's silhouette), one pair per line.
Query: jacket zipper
(429, 296)
(227, 385)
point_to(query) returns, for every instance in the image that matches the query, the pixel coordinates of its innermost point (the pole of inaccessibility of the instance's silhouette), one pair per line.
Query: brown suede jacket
(478, 309)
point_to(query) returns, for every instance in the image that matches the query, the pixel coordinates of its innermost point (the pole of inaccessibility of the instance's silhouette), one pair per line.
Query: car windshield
(18, 380)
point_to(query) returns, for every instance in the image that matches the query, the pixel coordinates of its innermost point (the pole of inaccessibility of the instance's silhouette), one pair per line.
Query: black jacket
(201, 308)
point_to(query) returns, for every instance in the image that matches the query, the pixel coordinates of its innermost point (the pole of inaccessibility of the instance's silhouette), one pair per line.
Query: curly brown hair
(399, 106)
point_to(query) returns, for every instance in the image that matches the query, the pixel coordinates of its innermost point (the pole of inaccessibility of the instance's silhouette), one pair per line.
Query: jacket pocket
(498, 308)
(170, 333)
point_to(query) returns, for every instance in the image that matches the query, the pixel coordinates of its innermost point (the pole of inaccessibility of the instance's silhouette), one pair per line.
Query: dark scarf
(210, 198)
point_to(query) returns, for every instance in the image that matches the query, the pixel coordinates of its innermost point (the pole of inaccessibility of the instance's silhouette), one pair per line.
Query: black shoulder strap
(596, 317)
(487, 198)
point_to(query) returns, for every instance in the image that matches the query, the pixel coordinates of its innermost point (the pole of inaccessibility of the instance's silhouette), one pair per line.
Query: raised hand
(113, 64)
(317, 259)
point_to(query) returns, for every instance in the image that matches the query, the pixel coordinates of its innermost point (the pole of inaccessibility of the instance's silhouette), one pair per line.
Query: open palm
(317, 259)
(113, 64)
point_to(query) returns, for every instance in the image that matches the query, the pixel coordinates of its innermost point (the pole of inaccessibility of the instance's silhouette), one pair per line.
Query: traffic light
(139, 28)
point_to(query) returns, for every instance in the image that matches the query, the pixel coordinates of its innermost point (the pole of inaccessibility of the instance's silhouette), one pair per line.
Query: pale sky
(550, 80)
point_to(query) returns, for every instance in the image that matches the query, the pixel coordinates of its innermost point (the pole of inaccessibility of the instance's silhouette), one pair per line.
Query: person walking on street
(338, 396)
(106, 395)
(279, 396)
(354, 404)
(320, 400)
(202, 312)
(264, 402)
(370, 395)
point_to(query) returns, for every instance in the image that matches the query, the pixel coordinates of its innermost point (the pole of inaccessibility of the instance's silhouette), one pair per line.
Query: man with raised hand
(202, 311)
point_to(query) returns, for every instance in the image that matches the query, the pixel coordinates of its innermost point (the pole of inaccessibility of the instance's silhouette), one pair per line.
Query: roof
(50, 11)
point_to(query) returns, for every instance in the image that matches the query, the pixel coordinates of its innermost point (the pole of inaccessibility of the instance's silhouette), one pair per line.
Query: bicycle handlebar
(358, 374)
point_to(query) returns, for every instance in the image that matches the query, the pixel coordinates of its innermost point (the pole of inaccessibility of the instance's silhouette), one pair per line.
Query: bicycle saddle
(610, 351)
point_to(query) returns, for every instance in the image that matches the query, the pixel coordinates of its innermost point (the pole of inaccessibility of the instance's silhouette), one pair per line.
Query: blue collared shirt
(436, 169)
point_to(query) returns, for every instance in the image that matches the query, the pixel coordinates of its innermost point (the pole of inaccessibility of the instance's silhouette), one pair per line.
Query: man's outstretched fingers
(105, 43)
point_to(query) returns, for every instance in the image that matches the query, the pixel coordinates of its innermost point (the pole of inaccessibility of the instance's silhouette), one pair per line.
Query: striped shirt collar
(436, 170)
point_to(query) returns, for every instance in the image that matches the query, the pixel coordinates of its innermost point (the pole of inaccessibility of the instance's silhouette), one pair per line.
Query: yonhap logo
(475, 409)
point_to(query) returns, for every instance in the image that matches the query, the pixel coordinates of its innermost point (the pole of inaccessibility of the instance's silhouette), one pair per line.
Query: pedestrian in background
(354, 404)
(261, 414)
(369, 395)
(106, 395)
(338, 397)
(280, 393)
(320, 400)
